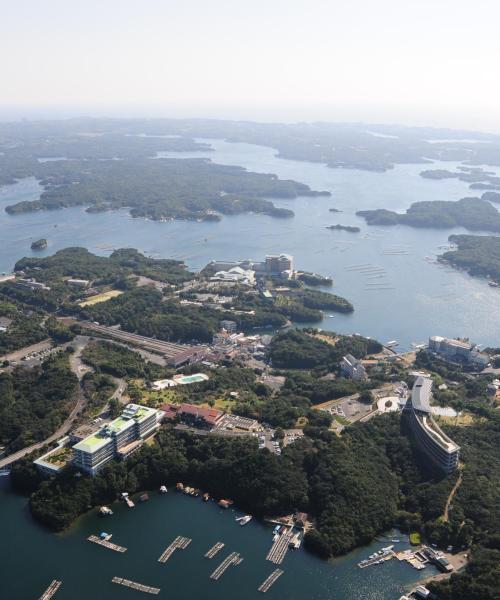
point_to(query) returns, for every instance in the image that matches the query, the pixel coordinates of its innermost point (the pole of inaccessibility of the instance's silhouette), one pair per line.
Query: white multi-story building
(458, 351)
(426, 434)
(117, 439)
(352, 368)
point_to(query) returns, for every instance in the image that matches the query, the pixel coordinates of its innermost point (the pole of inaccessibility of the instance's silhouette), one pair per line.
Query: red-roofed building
(193, 414)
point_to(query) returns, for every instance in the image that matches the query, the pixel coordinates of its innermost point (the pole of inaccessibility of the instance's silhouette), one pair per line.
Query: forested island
(193, 189)
(471, 213)
(478, 255)
(40, 244)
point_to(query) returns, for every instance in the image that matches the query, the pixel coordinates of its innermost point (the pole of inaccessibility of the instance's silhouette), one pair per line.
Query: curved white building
(426, 434)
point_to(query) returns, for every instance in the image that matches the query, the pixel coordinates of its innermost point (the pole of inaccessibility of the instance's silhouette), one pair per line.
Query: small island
(344, 228)
(40, 244)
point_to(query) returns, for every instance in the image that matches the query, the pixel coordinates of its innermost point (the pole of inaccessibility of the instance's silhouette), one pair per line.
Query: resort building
(193, 415)
(117, 439)
(352, 368)
(426, 434)
(461, 351)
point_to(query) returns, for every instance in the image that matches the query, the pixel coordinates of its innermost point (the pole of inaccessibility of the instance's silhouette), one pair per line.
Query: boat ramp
(106, 543)
(278, 550)
(267, 583)
(136, 586)
(233, 559)
(51, 590)
(214, 550)
(180, 543)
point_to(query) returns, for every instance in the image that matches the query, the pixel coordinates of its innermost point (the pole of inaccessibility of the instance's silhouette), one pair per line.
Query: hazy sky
(430, 62)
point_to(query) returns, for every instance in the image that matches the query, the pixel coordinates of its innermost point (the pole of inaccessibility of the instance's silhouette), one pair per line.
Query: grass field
(101, 298)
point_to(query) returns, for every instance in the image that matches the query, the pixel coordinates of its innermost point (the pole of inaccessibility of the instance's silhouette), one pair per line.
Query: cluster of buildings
(427, 436)
(90, 449)
(31, 284)
(246, 271)
(207, 418)
(461, 351)
(352, 368)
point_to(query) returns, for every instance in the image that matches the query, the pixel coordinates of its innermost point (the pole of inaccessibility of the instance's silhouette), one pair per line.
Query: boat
(105, 511)
(179, 487)
(493, 284)
(224, 503)
(244, 520)
(206, 497)
(276, 529)
(163, 489)
(105, 536)
(392, 343)
(331, 316)
(144, 497)
(4, 473)
(396, 541)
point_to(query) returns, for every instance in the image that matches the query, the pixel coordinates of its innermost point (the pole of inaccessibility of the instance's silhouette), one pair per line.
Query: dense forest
(79, 263)
(296, 349)
(34, 402)
(471, 213)
(194, 189)
(119, 361)
(478, 255)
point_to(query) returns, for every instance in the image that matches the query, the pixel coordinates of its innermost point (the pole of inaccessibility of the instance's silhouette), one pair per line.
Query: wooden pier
(265, 585)
(136, 586)
(279, 548)
(51, 590)
(180, 543)
(214, 550)
(106, 543)
(233, 559)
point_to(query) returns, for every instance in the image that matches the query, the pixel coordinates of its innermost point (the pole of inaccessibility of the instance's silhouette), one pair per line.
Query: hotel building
(425, 433)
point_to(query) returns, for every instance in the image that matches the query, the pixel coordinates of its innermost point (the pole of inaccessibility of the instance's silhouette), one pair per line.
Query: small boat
(206, 497)
(163, 489)
(276, 529)
(105, 511)
(331, 316)
(179, 487)
(244, 520)
(392, 343)
(224, 503)
(4, 473)
(144, 497)
(105, 536)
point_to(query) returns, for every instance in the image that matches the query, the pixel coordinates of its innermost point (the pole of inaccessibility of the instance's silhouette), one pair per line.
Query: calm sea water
(409, 299)
(31, 557)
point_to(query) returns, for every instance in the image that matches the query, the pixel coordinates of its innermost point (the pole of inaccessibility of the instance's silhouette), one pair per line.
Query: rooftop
(421, 394)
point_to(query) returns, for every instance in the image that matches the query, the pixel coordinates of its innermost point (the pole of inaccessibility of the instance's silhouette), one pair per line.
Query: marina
(106, 543)
(180, 543)
(279, 548)
(216, 548)
(267, 583)
(51, 590)
(136, 586)
(233, 559)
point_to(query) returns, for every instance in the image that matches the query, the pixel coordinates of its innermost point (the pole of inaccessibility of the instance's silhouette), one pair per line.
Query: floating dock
(233, 559)
(136, 586)
(265, 585)
(214, 550)
(106, 543)
(51, 590)
(180, 543)
(279, 548)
